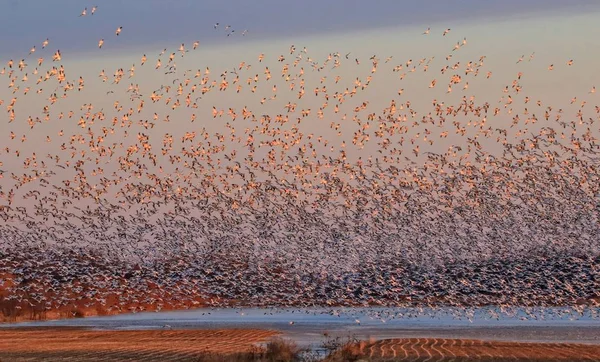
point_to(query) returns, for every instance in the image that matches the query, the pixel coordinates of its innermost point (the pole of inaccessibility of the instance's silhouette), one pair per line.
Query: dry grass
(276, 350)
(237, 345)
(157, 345)
(459, 350)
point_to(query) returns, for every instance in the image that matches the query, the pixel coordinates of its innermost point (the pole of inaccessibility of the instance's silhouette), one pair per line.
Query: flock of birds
(325, 201)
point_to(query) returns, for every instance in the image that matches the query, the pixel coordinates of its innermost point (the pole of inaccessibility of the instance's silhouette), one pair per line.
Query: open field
(72, 344)
(436, 349)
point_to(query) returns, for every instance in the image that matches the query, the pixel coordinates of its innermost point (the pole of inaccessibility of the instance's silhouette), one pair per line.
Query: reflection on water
(312, 326)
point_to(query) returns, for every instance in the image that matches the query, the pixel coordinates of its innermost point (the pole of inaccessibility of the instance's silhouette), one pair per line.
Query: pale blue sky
(24, 23)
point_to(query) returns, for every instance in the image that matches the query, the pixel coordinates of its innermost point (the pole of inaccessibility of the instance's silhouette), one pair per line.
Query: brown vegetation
(438, 350)
(26, 344)
(154, 345)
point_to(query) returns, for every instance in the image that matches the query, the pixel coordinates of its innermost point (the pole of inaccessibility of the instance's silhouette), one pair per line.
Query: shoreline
(308, 326)
(76, 312)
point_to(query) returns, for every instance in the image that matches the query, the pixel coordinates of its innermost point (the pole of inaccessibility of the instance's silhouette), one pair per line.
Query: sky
(502, 31)
(158, 22)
